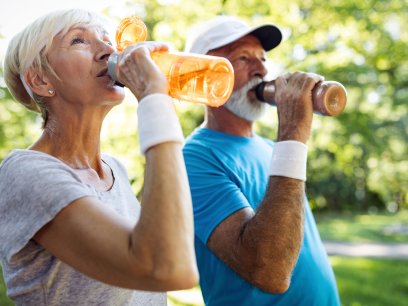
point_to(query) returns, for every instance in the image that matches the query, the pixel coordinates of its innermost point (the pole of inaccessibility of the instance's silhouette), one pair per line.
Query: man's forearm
(272, 239)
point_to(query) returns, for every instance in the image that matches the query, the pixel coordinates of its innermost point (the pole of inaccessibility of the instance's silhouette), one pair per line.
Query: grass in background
(363, 227)
(371, 282)
(361, 281)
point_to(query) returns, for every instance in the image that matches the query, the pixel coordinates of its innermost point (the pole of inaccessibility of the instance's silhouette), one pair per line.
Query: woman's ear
(39, 83)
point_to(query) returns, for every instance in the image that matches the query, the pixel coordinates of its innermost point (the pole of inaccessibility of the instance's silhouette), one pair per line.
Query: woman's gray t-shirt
(34, 187)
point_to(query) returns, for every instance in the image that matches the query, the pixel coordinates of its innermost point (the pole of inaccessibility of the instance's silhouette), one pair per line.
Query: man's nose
(258, 68)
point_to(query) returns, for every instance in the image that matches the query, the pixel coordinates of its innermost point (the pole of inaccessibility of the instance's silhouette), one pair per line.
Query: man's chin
(249, 111)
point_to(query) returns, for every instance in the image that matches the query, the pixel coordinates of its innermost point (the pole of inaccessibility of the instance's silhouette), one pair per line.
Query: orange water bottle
(196, 78)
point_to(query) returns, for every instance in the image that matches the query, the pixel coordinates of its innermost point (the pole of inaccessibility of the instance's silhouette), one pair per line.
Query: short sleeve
(34, 187)
(214, 193)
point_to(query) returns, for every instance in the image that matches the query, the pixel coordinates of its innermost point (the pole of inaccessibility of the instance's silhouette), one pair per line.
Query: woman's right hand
(139, 73)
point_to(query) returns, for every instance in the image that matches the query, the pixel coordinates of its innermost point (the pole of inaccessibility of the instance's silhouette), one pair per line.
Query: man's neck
(222, 120)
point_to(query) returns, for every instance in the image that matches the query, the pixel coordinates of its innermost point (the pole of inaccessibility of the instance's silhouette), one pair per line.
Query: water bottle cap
(131, 30)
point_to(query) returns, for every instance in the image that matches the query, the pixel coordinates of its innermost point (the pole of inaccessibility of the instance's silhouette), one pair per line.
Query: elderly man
(256, 238)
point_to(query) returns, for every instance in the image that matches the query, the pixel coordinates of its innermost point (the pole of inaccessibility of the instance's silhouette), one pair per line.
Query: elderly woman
(71, 230)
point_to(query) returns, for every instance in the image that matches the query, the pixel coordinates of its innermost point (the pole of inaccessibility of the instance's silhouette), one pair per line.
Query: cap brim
(269, 36)
(220, 32)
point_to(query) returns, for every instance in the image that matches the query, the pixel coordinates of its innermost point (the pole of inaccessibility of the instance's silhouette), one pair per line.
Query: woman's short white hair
(28, 50)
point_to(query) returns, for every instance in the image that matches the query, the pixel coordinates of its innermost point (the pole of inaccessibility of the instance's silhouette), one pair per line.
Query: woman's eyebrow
(85, 29)
(82, 29)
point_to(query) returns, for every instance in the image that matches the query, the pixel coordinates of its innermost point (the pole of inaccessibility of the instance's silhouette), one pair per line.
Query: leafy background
(357, 166)
(358, 160)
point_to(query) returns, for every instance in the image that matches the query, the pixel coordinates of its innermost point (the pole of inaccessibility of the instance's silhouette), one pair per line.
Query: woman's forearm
(164, 235)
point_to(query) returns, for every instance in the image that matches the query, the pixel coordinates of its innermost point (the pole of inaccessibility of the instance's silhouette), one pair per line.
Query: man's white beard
(240, 105)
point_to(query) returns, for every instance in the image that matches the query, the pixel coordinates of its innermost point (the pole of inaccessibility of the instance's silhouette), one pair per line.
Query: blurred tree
(17, 126)
(360, 43)
(358, 160)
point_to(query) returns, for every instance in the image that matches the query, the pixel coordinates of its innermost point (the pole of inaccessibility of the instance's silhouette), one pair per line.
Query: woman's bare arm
(156, 254)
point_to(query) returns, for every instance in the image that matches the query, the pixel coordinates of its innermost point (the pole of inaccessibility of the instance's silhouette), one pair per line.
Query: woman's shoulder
(29, 165)
(22, 157)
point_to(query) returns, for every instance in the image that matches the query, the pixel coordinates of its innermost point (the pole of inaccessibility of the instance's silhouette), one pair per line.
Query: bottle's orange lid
(131, 30)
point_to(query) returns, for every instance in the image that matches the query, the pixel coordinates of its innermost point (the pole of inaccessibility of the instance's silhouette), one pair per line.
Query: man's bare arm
(263, 247)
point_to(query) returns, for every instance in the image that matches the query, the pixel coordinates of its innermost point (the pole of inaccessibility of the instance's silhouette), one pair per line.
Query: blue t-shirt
(228, 173)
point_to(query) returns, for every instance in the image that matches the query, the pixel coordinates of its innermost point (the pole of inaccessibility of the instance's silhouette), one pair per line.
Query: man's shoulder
(200, 139)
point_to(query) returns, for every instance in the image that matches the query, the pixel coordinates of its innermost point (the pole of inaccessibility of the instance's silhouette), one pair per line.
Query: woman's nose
(105, 49)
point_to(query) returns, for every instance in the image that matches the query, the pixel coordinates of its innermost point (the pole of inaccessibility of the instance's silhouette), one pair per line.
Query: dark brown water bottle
(329, 97)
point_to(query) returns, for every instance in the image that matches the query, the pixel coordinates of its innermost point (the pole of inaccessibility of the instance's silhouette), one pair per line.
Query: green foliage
(4, 300)
(17, 126)
(358, 160)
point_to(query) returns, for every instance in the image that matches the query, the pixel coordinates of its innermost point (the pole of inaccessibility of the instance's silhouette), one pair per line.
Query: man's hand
(295, 107)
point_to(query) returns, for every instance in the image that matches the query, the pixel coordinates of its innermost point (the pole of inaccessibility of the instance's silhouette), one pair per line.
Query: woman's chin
(115, 96)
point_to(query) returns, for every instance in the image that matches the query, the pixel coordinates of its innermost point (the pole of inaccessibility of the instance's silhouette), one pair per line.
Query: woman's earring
(51, 91)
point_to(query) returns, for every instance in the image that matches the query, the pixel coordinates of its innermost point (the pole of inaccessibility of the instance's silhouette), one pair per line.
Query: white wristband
(157, 121)
(289, 159)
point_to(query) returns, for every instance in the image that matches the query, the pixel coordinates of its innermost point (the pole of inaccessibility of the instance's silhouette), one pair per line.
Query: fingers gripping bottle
(192, 77)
